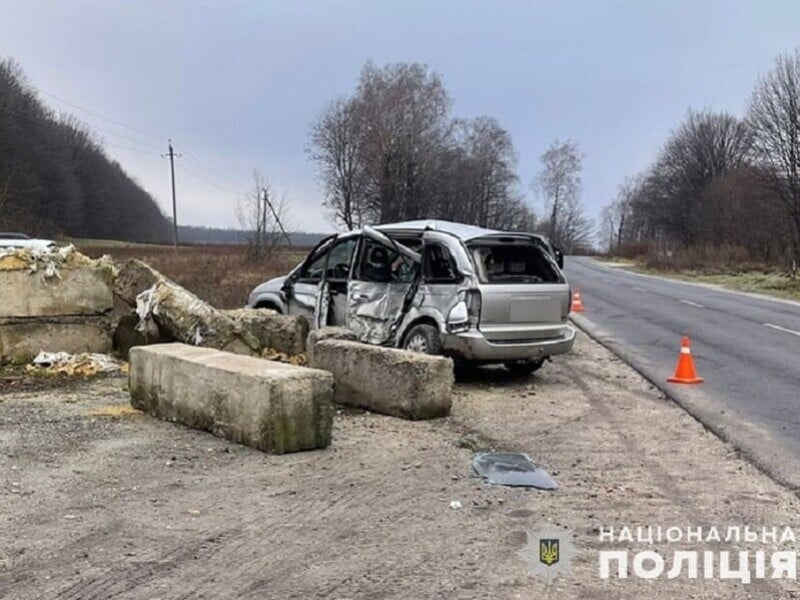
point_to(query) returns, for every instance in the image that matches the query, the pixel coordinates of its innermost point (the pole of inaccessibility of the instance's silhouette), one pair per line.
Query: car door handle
(360, 297)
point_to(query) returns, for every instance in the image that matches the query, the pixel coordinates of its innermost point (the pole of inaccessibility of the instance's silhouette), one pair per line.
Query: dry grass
(222, 275)
(770, 283)
(726, 265)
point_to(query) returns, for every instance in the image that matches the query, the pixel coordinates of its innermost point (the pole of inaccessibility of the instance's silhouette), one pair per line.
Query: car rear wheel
(424, 339)
(524, 367)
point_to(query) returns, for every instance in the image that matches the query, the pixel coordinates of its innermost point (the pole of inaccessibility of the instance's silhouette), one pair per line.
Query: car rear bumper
(472, 345)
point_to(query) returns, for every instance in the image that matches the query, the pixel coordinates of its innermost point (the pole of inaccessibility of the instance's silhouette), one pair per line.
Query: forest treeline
(722, 188)
(55, 178)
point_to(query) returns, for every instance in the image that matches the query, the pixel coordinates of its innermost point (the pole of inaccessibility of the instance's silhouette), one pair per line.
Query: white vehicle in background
(20, 240)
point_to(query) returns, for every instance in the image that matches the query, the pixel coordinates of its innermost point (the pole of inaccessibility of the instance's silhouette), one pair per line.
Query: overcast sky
(236, 84)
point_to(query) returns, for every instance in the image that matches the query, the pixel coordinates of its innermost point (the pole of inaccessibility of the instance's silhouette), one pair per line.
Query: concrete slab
(284, 333)
(78, 290)
(22, 339)
(386, 380)
(326, 333)
(271, 406)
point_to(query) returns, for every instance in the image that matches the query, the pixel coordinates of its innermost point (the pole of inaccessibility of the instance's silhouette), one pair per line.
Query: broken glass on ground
(512, 469)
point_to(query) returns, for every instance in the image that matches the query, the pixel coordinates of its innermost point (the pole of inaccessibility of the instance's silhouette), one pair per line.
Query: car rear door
(524, 295)
(375, 305)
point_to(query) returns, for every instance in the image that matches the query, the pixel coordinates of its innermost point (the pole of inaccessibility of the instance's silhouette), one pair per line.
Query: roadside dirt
(98, 501)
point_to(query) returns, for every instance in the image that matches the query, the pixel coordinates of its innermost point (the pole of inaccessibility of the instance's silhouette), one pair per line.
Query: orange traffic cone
(577, 305)
(684, 370)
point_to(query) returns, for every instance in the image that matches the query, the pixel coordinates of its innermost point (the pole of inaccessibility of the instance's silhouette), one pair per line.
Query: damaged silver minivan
(474, 294)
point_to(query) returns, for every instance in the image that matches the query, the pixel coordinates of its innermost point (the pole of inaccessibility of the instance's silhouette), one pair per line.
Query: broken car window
(339, 259)
(312, 272)
(512, 263)
(384, 265)
(438, 265)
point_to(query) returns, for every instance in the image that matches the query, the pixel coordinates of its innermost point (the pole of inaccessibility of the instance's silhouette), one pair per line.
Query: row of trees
(392, 152)
(719, 180)
(55, 177)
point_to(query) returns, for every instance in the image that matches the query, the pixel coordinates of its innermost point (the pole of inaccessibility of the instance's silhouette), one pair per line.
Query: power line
(151, 149)
(200, 164)
(44, 120)
(95, 114)
(224, 188)
(150, 152)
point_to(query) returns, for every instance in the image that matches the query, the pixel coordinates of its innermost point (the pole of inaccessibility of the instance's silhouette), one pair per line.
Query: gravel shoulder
(99, 501)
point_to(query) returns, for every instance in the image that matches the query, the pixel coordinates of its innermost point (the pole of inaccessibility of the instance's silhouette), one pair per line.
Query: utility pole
(275, 215)
(172, 156)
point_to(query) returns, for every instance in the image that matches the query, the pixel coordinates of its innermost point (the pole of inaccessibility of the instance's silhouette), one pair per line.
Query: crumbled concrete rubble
(165, 311)
(55, 300)
(268, 405)
(282, 333)
(188, 319)
(85, 364)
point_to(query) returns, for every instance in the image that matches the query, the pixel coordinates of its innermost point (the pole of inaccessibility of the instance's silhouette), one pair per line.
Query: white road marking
(638, 289)
(690, 303)
(779, 328)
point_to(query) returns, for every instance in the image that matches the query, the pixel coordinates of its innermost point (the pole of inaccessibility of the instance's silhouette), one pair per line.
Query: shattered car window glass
(439, 266)
(512, 263)
(313, 271)
(339, 260)
(385, 265)
(511, 469)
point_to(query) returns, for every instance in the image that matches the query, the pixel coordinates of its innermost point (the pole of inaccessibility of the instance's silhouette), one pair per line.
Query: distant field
(219, 274)
(85, 244)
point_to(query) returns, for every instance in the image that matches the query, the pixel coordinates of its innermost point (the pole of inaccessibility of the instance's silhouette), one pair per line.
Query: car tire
(423, 338)
(524, 367)
(270, 306)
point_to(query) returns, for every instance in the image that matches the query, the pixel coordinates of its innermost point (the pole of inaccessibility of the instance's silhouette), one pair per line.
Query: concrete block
(22, 339)
(83, 289)
(126, 336)
(284, 333)
(272, 406)
(386, 380)
(134, 277)
(326, 333)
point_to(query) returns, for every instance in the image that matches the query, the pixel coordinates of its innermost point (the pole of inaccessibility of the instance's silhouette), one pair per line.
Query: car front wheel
(524, 367)
(424, 339)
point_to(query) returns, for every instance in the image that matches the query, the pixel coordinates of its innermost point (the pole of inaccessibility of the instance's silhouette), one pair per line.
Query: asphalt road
(746, 347)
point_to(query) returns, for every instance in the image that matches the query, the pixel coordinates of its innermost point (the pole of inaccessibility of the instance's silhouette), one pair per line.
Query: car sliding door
(377, 293)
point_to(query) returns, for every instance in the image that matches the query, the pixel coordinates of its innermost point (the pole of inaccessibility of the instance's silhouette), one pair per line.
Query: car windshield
(512, 263)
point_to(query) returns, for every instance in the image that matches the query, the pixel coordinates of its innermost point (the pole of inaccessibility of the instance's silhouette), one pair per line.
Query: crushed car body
(437, 287)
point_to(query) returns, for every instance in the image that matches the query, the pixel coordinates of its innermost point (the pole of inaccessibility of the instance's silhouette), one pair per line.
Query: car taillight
(473, 299)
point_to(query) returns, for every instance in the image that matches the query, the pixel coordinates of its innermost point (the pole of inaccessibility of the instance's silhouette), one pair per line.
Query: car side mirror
(286, 288)
(559, 257)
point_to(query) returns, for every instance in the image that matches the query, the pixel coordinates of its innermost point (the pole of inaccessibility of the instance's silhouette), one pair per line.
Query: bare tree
(336, 146)
(774, 116)
(262, 215)
(391, 151)
(559, 180)
(607, 227)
